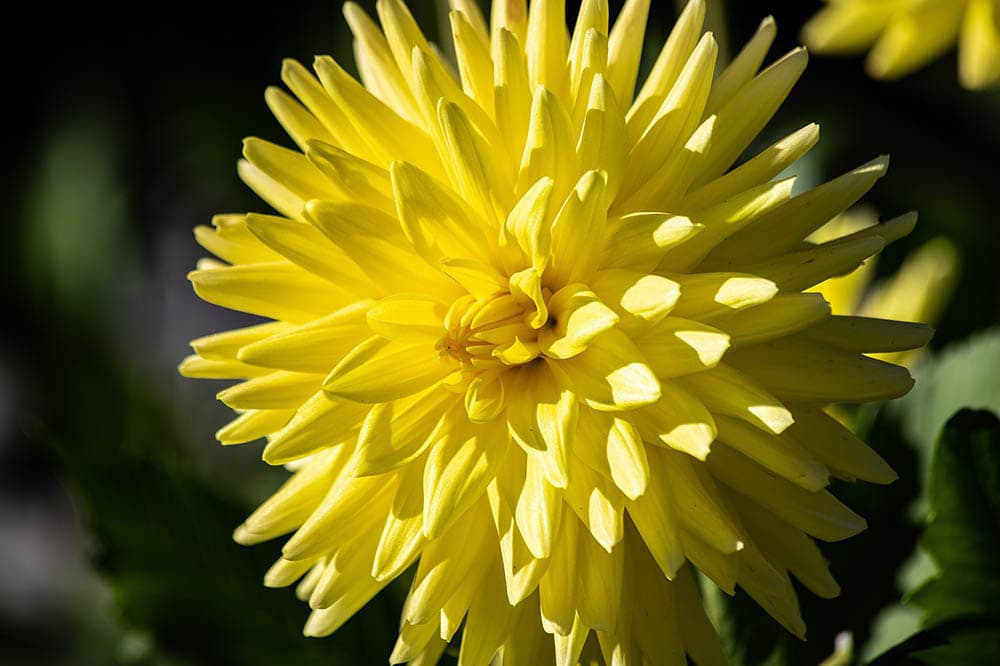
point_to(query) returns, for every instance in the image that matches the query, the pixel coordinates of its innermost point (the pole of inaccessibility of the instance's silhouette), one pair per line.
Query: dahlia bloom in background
(904, 35)
(530, 331)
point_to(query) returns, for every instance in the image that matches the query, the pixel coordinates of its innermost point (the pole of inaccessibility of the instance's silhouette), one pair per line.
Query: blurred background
(116, 502)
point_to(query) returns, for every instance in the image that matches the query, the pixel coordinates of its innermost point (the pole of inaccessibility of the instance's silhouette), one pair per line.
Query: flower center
(489, 333)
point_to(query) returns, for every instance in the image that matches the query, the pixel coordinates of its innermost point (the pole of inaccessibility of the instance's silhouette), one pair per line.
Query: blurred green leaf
(963, 535)
(75, 239)
(963, 538)
(964, 375)
(967, 641)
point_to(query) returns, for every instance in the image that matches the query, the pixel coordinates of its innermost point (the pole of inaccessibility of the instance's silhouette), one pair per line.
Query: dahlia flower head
(532, 336)
(905, 35)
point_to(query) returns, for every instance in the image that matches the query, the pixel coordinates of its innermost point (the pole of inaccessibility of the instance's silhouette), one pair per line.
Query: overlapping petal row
(905, 35)
(529, 331)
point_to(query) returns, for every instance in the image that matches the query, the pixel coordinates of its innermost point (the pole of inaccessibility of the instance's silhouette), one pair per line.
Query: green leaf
(964, 375)
(968, 641)
(963, 536)
(961, 625)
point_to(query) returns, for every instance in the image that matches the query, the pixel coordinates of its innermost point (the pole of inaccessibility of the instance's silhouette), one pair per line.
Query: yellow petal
(799, 370)
(817, 513)
(789, 548)
(837, 447)
(489, 620)
(309, 91)
(847, 27)
(745, 114)
(443, 569)
(773, 453)
(627, 459)
(549, 141)
(743, 67)
(699, 507)
(598, 503)
(528, 224)
(396, 433)
(378, 370)
(784, 228)
(200, 368)
(357, 178)
(593, 15)
(558, 587)
(305, 246)
(390, 136)
(473, 55)
(867, 335)
(301, 125)
(380, 72)
(276, 390)
(800, 270)
(290, 168)
(676, 118)
(349, 504)
(783, 315)
(655, 623)
(725, 218)
(485, 399)
(720, 568)
(603, 142)
(675, 53)
(318, 424)
(477, 177)
(639, 300)
(231, 240)
(253, 424)
(727, 391)
(511, 92)
(677, 347)
(541, 414)
(408, 318)
(545, 44)
(979, 52)
(313, 347)
(374, 240)
(437, 223)
(611, 374)
(413, 639)
(576, 317)
(538, 513)
(756, 171)
(625, 48)
(700, 638)
(598, 598)
(402, 536)
(914, 38)
(653, 514)
(705, 296)
(521, 570)
(679, 420)
(226, 345)
(295, 501)
(511, 15)
(638, 241)
(578, 232)
(461, 463)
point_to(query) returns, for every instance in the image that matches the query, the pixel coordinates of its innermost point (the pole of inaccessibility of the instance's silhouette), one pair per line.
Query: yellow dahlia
(530, 332)
(904, 35)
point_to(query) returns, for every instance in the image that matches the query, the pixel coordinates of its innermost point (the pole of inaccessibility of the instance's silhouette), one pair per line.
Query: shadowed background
(117, 504)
